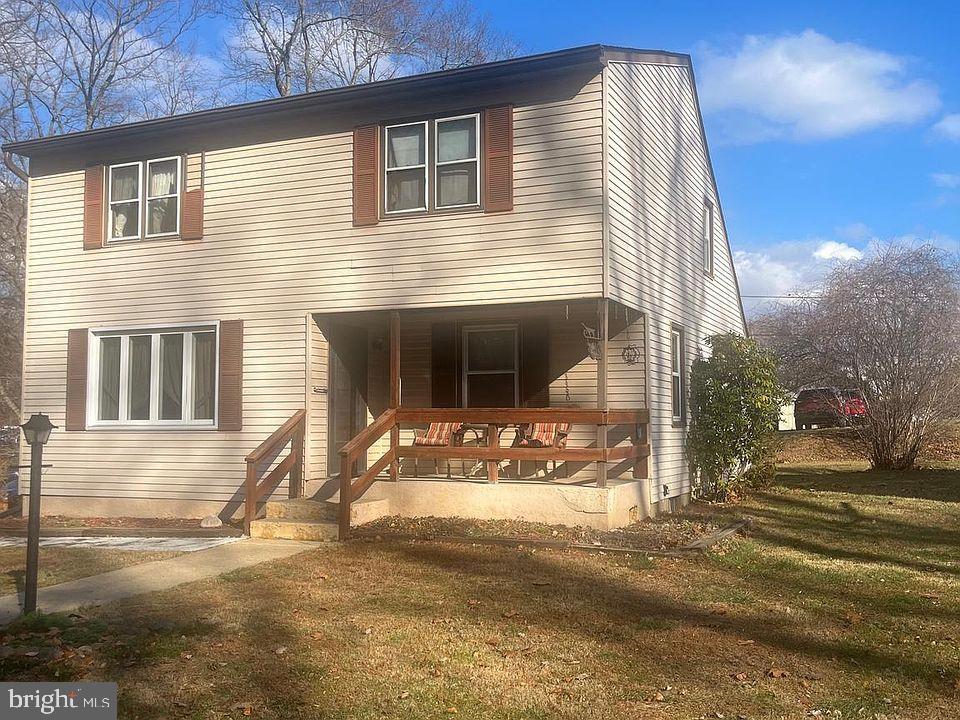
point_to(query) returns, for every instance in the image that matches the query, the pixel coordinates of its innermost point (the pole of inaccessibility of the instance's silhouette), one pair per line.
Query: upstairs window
(432, 165)
(153, 377)
(144, 199)
(708, 237)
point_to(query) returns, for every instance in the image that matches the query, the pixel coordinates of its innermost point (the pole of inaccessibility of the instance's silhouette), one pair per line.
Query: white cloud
(946, 180)
(833, 250)
(809, 86)
(856, 232)
(948, 127)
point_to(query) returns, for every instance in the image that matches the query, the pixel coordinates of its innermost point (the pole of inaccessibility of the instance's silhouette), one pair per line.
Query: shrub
(735, 400)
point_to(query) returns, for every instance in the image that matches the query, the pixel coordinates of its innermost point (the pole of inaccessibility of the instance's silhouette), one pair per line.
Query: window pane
(677, 400)
(204, 375)
(125, 219)
(406, 190)
(109, 401)
(491, 349)
(493, 390)
(138, 381)
(675, 353)
(406, 146)
(162, 179)
(124, 183)
(456, 139)
(162, 216)
(171, 377)
(457, 184)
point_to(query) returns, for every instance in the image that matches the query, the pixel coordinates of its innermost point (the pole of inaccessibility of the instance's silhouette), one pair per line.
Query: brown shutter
(93, 208)
(535, 363)
(191, 215)
(76, 379)
(498, 159)
(366, 171)
(443, 365)
(231, 375)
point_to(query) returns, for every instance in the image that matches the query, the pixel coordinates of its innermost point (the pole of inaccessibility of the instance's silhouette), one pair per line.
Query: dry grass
(839, 604)
(60, 564)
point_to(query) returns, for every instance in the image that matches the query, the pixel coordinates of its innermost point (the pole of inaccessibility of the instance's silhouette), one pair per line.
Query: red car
(829, 407)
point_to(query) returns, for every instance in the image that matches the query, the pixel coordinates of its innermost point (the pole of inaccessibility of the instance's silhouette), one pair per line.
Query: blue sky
(832, 125)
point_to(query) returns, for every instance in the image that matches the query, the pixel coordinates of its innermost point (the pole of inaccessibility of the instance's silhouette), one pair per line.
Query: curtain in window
(109, 401)
(204, 377)
(405, 146)
(123, 183)
(406, 190)
(171, 378)
(139, 376)
(162, 211)
(457, 184)
(456, 140)
(124, 205)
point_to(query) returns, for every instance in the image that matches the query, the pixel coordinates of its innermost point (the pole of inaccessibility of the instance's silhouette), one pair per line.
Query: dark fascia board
(342, 98)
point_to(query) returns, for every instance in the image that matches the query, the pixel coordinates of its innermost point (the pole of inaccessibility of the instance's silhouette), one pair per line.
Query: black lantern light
(37, 429)
(37, 432)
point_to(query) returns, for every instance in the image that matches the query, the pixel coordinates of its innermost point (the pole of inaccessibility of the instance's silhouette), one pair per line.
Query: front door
(347, 410)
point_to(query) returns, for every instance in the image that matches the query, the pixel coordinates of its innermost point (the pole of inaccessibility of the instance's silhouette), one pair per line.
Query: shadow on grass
(929, 484)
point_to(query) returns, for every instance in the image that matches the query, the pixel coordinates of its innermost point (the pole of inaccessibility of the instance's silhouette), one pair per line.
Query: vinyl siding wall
(658, 177)
(278, 244)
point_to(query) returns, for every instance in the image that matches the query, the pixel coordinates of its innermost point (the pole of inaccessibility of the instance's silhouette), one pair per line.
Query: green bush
(735, 400)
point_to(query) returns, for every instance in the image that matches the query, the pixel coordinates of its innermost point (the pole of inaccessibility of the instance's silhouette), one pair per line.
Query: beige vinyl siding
(279, 243)
(657, 179)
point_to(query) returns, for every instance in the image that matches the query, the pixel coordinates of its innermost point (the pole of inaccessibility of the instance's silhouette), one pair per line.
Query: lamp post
(37, 432)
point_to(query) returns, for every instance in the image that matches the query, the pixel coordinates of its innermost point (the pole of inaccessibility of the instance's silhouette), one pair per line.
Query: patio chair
(541, 435)
(440, 434)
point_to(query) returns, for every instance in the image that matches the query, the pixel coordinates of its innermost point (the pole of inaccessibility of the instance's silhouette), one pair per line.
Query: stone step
(273, 529)
(300, 509)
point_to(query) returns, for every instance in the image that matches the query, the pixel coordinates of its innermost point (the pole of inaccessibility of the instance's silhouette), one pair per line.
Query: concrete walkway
(153, 576)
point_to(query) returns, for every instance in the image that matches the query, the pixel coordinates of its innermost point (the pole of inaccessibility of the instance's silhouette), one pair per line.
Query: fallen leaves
(775, 672)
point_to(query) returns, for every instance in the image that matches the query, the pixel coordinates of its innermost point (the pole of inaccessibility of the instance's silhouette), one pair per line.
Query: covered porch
(495, 374)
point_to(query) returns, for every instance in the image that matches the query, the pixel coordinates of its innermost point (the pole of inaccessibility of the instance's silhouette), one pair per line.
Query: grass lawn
(843, 602)
(60, 564)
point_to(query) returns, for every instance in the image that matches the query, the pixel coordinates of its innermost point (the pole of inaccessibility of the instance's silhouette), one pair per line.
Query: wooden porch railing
(352, 488)
(255, 488)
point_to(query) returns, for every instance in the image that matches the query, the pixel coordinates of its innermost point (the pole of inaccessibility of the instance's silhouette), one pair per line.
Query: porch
(378, 380)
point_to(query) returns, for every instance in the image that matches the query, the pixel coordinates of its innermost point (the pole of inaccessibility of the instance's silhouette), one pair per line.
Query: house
(271, 300)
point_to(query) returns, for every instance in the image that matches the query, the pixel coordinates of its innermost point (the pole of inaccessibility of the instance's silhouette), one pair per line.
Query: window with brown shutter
(498, 159)
(231, 375)
(76, 415)
(366, 169)
(93, 208)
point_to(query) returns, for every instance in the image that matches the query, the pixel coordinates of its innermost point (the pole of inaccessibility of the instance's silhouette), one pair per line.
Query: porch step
(277, 529)
(308, 510)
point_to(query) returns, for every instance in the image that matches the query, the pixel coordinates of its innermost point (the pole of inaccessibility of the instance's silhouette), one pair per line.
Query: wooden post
(395, 390)
(641, 464)
(295, 483)
(493, 441)
(343, 507)
(249, 499)
(603, 326)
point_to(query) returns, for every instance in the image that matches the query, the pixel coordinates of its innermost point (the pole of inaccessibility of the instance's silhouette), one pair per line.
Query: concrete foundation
(132, 507)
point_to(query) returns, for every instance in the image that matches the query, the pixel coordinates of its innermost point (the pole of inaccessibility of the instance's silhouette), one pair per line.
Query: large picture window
(490, 366)
(144, 199)
(442, 154)
(153, 377)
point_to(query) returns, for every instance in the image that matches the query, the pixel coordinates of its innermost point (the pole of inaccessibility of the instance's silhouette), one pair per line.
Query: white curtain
(405, 146)
(456, 140)
(204, 377)
(163, 178)
(123, 183)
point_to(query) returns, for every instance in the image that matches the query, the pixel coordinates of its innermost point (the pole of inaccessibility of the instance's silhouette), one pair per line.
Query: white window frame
(467, 372)
(425, 166)
(147, 197)
(708, 242)
(155, 331)
(111, 202)
(676, 372)
(438, 164)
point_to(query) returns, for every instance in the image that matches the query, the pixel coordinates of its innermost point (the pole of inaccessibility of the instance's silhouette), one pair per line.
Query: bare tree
(282, 47)
(888, 326)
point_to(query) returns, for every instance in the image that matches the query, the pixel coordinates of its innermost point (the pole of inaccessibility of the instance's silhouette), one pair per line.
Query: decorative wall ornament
(631, 354)
(593, 339)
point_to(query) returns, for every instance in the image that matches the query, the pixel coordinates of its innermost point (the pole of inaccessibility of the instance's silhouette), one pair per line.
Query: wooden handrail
(351, 488)
(278, 437)
(292, 431)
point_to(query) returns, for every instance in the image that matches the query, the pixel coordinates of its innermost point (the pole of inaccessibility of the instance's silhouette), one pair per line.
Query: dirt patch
(59, 521)
(665, 533)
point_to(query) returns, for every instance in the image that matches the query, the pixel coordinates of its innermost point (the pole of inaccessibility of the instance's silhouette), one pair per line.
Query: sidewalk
(153, 576)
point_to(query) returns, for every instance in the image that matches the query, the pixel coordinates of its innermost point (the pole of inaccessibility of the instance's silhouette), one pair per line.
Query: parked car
(829, 407)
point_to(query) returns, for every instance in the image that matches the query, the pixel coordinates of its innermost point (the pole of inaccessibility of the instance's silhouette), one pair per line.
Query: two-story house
(474, 292)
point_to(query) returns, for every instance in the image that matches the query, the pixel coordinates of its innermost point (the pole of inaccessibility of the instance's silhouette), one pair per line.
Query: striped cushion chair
(541, 435)
(439, 434)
